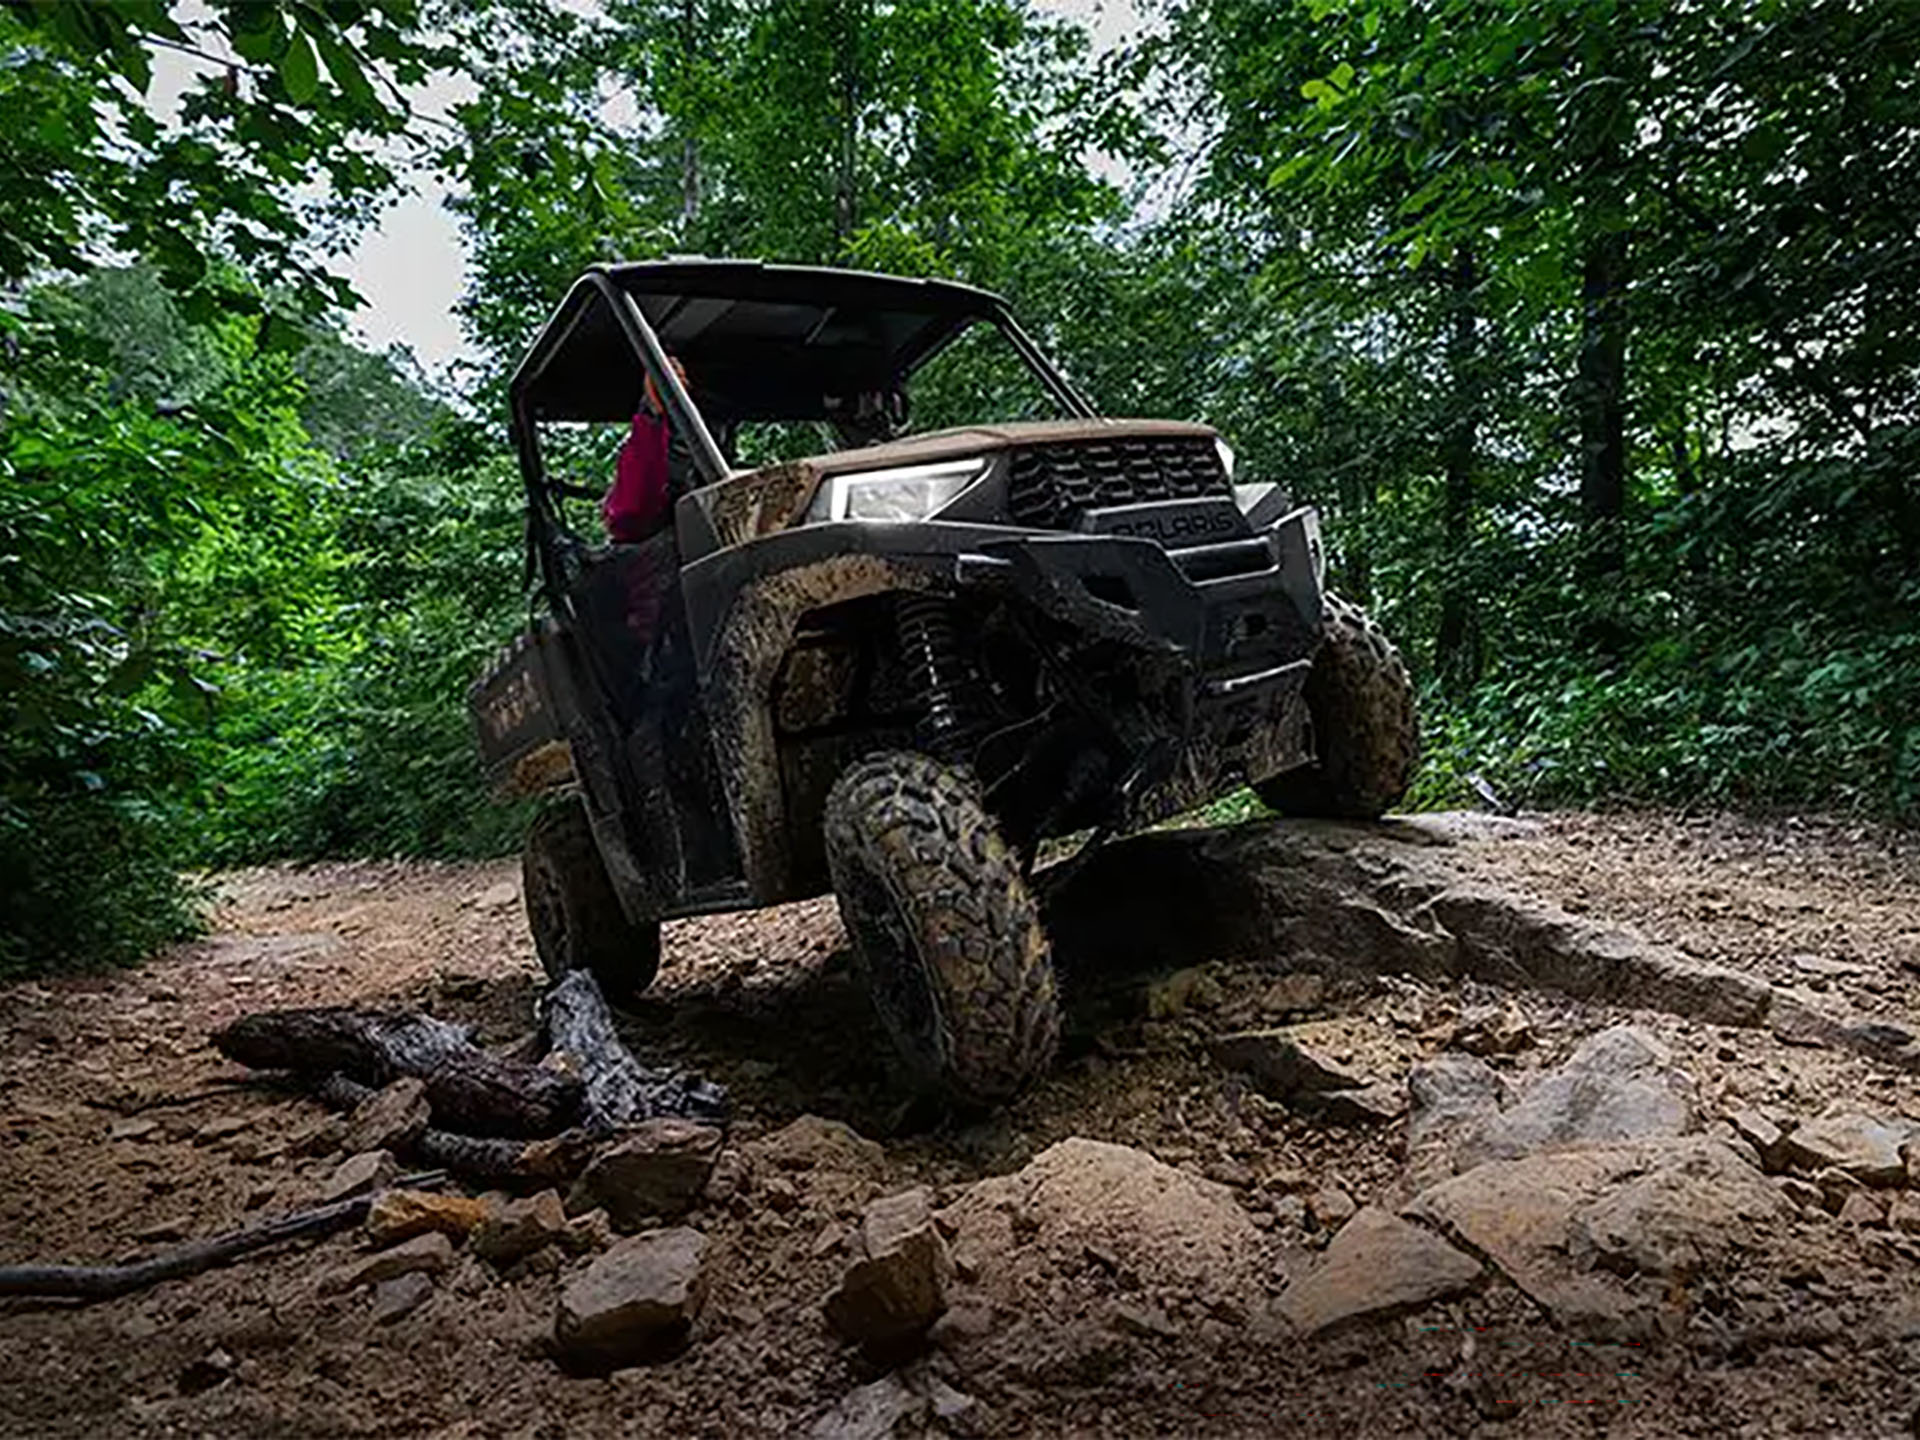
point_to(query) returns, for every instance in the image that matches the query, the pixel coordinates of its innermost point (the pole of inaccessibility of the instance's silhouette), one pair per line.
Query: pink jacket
(639, 498)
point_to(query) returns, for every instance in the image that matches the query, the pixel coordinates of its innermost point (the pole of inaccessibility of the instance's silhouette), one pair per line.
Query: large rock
(658, 1171)
(1377, 1266)
(1619, 1085)
(1281, 1064)
(1866, 1147)
(1681, 1219)
(813, 1143)
(389, 1119)
(1153, 1227)
(1669, 1208)
(635, 1303)
(898, 1287)
(514, 1229)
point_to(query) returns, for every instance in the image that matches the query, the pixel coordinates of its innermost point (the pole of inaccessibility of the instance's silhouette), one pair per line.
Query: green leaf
(300, 69)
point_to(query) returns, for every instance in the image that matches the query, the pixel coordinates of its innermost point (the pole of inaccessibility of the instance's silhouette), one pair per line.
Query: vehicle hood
(986, 440)
(760, 502)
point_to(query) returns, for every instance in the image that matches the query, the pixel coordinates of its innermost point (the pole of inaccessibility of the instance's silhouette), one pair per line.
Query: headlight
(906, 492)
(1248, 496)
(1225, 452)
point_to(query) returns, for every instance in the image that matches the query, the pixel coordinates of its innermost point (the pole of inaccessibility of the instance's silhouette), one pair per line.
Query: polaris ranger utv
(894, 668)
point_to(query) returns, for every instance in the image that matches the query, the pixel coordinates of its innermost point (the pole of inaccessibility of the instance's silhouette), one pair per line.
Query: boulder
(635, 1303)
(401, 1214)
(358, 1174)
(1281, 1064)
(657, 1171)
(1681, 1219)
(389, 1119)
(1865, 1146)
(897, 1288)
(811, 1142)
(1161, 1229)
(1377, 1266)
(1619, 1085)
(1670, 1207)
(514, 1229)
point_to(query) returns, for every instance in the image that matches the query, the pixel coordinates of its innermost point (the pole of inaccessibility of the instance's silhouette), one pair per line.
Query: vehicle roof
(759, 341)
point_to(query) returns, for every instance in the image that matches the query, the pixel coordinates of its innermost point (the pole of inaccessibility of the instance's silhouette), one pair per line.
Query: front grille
(1052, 485)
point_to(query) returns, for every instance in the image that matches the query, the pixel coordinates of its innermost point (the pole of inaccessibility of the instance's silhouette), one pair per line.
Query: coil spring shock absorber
(938, 670)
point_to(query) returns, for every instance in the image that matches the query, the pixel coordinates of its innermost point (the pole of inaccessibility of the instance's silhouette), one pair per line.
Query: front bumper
(1218, 606)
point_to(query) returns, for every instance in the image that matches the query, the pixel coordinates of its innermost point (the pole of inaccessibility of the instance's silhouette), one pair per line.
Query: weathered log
(103, 1282)
(469, 1090)
(619, 1089)
(550, 1160)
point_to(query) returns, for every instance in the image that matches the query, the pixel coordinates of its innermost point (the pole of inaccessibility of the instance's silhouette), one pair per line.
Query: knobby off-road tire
(943, 928)
(575, 917)
(1361, 701)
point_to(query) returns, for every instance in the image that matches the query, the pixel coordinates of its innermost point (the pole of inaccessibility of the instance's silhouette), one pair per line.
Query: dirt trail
(120, 1135)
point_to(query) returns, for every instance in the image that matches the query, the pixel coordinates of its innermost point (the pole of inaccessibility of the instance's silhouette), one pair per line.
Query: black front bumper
(1216, 605)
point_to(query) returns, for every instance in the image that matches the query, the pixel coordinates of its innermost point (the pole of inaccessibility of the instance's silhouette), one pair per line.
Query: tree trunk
(689, 147)
(1603, 402)
(845, 199)
(1457, 644)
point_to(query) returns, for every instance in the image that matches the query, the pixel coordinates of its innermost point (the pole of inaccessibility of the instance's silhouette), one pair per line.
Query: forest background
(1593, 327)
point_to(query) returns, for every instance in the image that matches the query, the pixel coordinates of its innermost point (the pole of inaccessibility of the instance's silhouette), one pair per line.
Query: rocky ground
(1580, 1124)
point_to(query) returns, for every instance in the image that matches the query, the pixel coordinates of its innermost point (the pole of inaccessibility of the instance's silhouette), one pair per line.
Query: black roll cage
(544, 524)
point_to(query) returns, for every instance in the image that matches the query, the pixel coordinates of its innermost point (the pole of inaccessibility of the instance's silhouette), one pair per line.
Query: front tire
(575, 917)
(943, 927)
(1361, 700)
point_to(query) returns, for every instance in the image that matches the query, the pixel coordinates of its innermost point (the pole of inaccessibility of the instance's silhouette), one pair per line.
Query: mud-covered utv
(889, 664)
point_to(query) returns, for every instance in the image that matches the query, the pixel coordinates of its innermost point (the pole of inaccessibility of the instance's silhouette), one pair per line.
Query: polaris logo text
(1189, 525)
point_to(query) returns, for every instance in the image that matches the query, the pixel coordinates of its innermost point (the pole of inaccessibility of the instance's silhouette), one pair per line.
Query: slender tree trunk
(845, 200)
(1457, 645)
(689, 146)
(1603, 402)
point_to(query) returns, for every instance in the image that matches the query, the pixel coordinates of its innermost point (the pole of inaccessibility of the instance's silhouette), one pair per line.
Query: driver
(640, 498)
(868, 418)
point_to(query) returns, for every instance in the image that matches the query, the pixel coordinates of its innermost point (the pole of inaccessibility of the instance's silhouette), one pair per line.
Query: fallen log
(469, 1091)
(104, 1282)
(619, 1090)
(552, 1159)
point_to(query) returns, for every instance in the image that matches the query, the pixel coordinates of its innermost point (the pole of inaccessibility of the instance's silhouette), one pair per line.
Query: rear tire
(943, 928)
(1361, 701)
(575, 917)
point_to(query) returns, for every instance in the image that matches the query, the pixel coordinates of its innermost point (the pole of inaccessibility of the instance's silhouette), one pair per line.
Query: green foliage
(365, 748)
(1590, 324)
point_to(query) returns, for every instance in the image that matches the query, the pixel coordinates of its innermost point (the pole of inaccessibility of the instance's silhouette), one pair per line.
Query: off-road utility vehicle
(895, 668)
